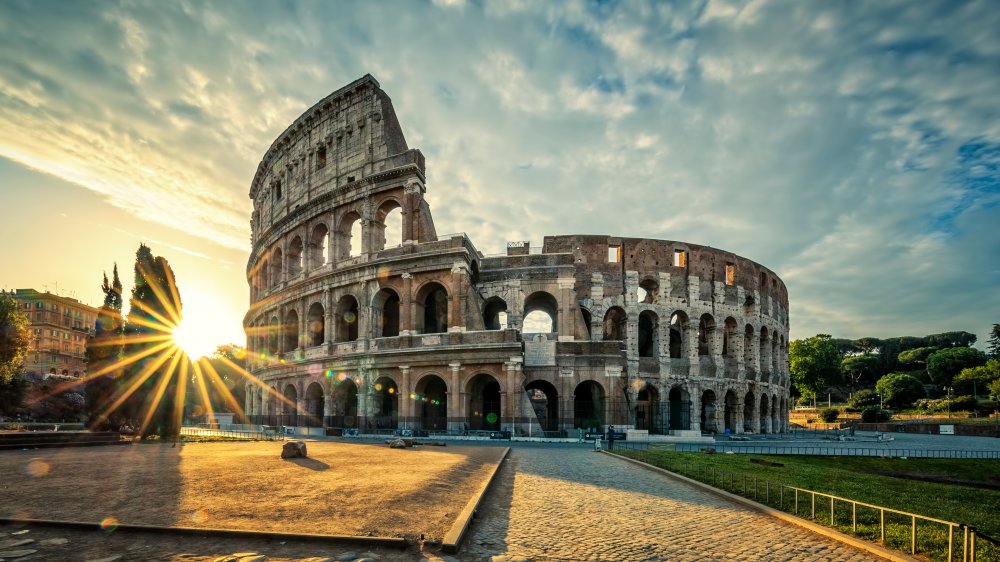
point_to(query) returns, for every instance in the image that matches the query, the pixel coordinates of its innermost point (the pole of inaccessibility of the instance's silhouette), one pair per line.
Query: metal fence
(818, 450)
(791, 499)
(266, 434)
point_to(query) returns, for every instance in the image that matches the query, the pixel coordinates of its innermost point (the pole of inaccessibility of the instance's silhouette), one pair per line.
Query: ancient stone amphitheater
(363, 317)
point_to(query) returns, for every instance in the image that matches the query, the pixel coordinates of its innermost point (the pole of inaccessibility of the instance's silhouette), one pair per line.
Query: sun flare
(194, 339)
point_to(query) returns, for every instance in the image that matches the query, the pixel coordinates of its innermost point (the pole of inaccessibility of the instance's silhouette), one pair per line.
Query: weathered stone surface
(14, 543)
(398, 444)
(9, 554)
(293, 450)
(348, 556)
(54, 542)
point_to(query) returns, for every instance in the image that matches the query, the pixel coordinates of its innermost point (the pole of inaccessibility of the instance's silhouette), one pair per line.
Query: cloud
(842, 155)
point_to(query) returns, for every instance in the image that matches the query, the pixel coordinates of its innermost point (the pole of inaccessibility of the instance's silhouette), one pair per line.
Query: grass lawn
(955, 490)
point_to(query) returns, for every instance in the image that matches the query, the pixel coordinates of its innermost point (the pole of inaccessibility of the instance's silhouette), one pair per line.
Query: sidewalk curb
(860, 544)
(453, 539)
(394, 542)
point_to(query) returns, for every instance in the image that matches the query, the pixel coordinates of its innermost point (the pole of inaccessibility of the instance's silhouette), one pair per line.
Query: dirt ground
(345, 489)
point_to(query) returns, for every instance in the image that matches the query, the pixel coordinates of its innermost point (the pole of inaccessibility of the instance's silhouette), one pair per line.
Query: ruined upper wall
(649, 257)
(348, 136)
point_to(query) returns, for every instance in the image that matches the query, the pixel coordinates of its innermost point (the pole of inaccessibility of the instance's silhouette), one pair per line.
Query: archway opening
(295, 257)
(432, 399)
(432, 309)
(484, 403)
(588, 406)
(648, 334)
(648, 410)
(349, 236)
(386, 302)
(317, 324)
(545, 403)
(614, 324)
(678, 329)
(345, 403)
(588, 318)
(495, 314)
(706, 331)
(290, 331)
(749, 403)
(347, 319)
(319, 252)
(389, 225)
(276, 260)
(648, 291)
(708, 408)
(732, 412)
(314, 405)
(680, 408)
(289, 412)
(765, 426)
(541, 313)
(273, 331)
(385, 406)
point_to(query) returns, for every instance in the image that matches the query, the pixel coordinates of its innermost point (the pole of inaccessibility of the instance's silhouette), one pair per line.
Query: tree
(225, 370)
(861, 370)
(15, 337)
(951, 339)
(944, 365)
(104, 352)
(151, 378)
(899, 390)
(861, 400)
(814, 364)
(995, 389)
(973, 380)
(916, 358)
(994, 349)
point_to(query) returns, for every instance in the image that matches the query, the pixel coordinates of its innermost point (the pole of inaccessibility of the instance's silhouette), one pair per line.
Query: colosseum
(363, 317)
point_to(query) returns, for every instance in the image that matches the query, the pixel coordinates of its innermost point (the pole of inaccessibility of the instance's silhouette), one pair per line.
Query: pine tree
(104, 352)
(994, 349)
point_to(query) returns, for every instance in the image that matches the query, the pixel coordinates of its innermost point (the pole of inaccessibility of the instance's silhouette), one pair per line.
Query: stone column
(715, 341)
(405, 403)
(406, 306)
(597, 296)
(459, 285)
(755, 422)
(694, 367)
(695, 409)
(566, 316)
(738, 418)
(455, 413)
(327, 317)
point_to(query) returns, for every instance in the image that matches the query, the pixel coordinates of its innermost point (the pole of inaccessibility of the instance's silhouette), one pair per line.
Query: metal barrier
(265, 434)
(818, 450)
(775, 494)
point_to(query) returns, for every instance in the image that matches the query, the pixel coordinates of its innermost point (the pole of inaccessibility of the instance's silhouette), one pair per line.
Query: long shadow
(311, 464)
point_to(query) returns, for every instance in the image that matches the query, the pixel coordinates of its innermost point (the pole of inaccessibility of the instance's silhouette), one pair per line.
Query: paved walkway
(581, 505)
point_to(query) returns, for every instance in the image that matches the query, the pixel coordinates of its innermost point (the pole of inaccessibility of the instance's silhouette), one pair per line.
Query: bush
(874, 415)
(956, 404)
(829, 415)
(861, 400)
(900, 390)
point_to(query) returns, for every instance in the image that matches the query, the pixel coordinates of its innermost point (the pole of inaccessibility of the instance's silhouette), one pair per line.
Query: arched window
(541, 312)
(347, 319)
(614, 324)
(386, 307)
(317, 325)
(349, 236)
(290, 331)
(495, 314)
(295, 257)
(276, 260)
(648, 334)
(318, 246)
(706, 331)
(432, 309)
(389, 225)
(648, 291)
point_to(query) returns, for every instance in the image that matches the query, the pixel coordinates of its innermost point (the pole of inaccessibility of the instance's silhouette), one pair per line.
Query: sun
(197, 340)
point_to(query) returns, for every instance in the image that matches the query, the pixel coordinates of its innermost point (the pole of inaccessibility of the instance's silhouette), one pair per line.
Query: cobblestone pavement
(581, 505)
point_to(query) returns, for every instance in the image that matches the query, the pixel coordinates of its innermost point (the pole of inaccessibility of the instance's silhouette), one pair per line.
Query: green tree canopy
(15, 337)
(899, 390)
(950, 339)
(944, 365)
(862, 399)
(916, 358)
(994, 342)
(814, 364)
(974, 380)
(861, 370)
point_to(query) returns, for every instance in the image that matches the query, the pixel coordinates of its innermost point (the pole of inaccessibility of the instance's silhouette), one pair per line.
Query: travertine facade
(426, 333)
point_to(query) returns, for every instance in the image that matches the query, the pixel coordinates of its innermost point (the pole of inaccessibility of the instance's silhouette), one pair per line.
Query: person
(611, 437)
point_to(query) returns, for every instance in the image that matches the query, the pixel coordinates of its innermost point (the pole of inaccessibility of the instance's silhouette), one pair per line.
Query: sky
(853, 148)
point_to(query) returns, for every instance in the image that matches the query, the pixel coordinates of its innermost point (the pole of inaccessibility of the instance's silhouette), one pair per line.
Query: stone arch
(347, 319)
(775, 415)
(275, 276)
(765, 354)
(319, 246)
(680, 408)
(648, 291)
(588, 318)
(589, 406)
(294, 258)
(732, 413)
(748, 352)
(708, 409)
(648, 410)
(730, 348)
(289, 406)
(615, 324)
(765, 416)
(679, 333)
(537, 307)
(649, 334)
(344, 393)
(290, 331)
(316, 324)
(706, 331)
(749, 411)
(432, 308)
(385, 305)
(314, 405)
(544, 400)
(273, 330)
(484, 402)
(495, 313)
(431, 396)
(349, 236)
(388, 225)
(385, 403)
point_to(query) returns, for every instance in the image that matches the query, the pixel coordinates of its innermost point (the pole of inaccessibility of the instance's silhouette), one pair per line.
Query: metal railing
(265, 434)
(819, 450)
(784, 496)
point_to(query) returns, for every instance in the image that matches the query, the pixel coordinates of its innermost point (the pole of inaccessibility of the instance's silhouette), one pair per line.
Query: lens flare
(199, 516)
(109, 524)
(37, 468)
(378, 387)
(350, 317)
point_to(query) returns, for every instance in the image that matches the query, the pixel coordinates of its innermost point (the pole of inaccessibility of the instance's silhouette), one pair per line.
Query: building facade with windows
(61, 327)
(362, 316)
